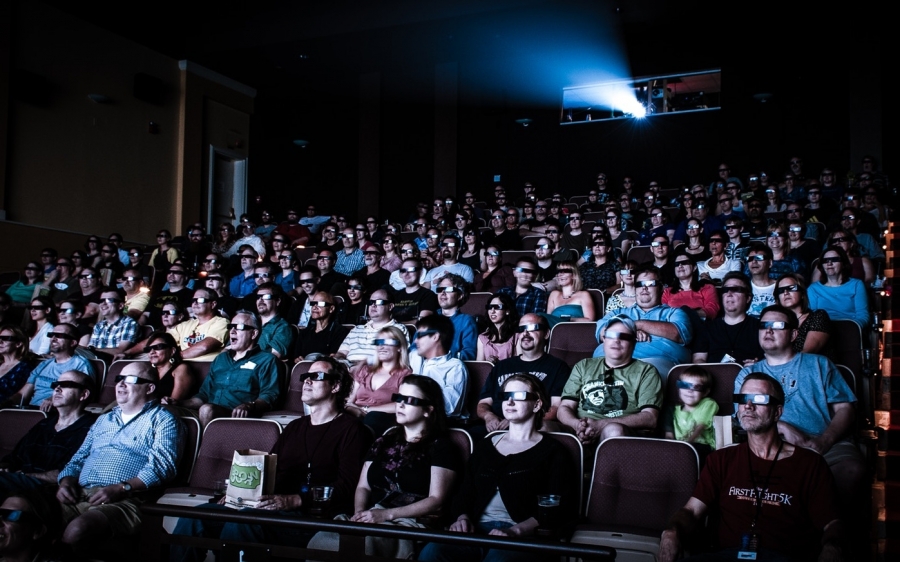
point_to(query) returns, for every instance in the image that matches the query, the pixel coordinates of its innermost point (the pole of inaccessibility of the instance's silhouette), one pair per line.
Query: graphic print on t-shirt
(608, 400)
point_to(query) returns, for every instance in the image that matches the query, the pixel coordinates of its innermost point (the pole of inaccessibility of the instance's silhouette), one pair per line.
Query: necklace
(309, 457)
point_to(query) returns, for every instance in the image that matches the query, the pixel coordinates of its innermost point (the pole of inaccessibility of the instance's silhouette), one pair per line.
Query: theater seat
(478, 375)
(636, 486)
(107, 394)
(293, 405)
(15, 424)
(573, 341)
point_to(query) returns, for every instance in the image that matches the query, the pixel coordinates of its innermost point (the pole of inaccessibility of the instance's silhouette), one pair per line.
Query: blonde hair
(395, 333)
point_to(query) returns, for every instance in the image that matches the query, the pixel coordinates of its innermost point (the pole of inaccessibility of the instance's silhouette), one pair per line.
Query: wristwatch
(126, 487)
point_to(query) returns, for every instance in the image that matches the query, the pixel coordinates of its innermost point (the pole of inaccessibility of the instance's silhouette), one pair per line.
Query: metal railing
(352, 542)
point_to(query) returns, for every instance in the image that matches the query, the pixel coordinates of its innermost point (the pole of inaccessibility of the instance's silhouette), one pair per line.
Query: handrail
(586, 552)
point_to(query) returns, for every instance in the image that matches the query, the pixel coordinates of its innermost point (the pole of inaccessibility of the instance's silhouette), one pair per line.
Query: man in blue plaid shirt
(115, 332)
(134, 447)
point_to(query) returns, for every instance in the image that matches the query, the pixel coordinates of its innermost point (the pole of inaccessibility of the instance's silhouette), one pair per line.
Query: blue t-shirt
(811, 382)
(49, 371)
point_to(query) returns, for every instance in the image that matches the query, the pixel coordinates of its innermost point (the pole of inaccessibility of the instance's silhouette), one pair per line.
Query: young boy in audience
(692, 420)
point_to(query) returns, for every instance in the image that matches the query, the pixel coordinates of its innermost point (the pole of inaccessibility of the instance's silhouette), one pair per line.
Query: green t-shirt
(605, 392)
(684, 422)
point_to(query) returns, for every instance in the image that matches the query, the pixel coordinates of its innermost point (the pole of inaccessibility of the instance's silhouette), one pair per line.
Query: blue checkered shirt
(534, 301)
(108, 335)
(348, 264)
(147, 447)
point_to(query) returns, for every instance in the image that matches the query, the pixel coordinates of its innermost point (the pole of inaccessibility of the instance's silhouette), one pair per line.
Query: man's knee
(84, 526)
(613, 430)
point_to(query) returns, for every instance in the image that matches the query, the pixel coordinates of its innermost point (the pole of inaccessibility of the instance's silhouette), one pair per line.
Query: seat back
(463, 442)
(846, 346)
(292, 401)
(573, 447)
(221, 438)
(189, 452)
(478, 375)
(723, 375)
(510, 257)
(573, 341)
(201, 369)
(599, 301)
(100, 372)
(15, 424)
(630, 485)
(640, 254)
(475, 304)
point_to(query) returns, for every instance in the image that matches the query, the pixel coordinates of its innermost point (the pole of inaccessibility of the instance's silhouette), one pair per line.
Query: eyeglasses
(692, 227)
(564, 272)
(658, 244)
(776, 234)
(574, 218)
(517, 396)
(131, 278)
(755, 399)
(170, 312)
(67, 384)
(386, 341)
(757, 257)
(326, 257)
(787, 289)
(63, 264)
(624, 336)
(525, 270)
(19, 516)
(833, 259)
(261, 275)
(425, 333)
(66, 311)
(405, 251)
(131, 379)
(201, 300)
(176, 272)
(681, 263)
(285, 257)
(449, 244)
(8, 338)
(447, 290)
(354, 287)
(848, 217)
(492, 253)
(410, 400)
(319, 376)
(736, 289)
(378, 302)
(778, 325)
(731, 226)
(498, 217)
(791, 211)
(158, 347)
(320, 304)
(61, 336)
(211, 260)
(691, 386)
(409, 269)
(217, 278)
(110, 300)
(347, 236)
(240, 327)
(264, 297)
(86, 276)
(542, 246)
(839, 240)
(551, 232)
(648, 283)
(308, 281)
(795, 229)
(494, 307)
(529, 328)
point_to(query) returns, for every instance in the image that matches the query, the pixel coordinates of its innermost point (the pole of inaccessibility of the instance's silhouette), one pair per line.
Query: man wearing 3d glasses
(242, 381)
(819, 410)
(450, 248)
(774, 499)
(49, 445)
(663, 332)
(133, 447)
(431, 358)
(357, 346)
(612, 395)
(529, 299)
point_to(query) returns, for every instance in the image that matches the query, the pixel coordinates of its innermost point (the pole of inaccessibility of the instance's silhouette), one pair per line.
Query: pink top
(502, 351)
(705, 299)
(368, 396)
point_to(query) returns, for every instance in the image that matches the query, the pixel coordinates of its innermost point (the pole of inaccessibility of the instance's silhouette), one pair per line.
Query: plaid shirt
(534, 301)
(147, 447)
(348, 264)
(109, 335)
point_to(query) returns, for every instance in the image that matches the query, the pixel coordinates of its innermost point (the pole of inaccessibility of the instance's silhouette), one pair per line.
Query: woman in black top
(506, 474)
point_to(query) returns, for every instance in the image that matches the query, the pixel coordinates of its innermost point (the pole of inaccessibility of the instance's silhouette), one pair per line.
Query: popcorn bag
(252, 476)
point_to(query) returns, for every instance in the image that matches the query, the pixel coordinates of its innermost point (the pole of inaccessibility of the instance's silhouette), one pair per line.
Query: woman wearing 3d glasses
(374, 385)
(506, 474)
(837, 293)
(408, 473)
(814, 325)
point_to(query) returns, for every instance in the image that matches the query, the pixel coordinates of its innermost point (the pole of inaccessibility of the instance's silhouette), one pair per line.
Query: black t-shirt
(551, 371)
(43, 448)
(408, 305)
(741, 341)
(508, 240)
(327, 341)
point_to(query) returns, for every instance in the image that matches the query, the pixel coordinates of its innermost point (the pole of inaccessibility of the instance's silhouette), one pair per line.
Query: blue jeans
(234, 532)
(438, 552)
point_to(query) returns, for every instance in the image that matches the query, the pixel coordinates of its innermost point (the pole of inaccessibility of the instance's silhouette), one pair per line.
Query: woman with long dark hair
(498, 341)
(176, 380)
(814, 325)
(40, 320)
(15, 366)
(494, 273)
(687, 290)
(409, 472)
(506, 474)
